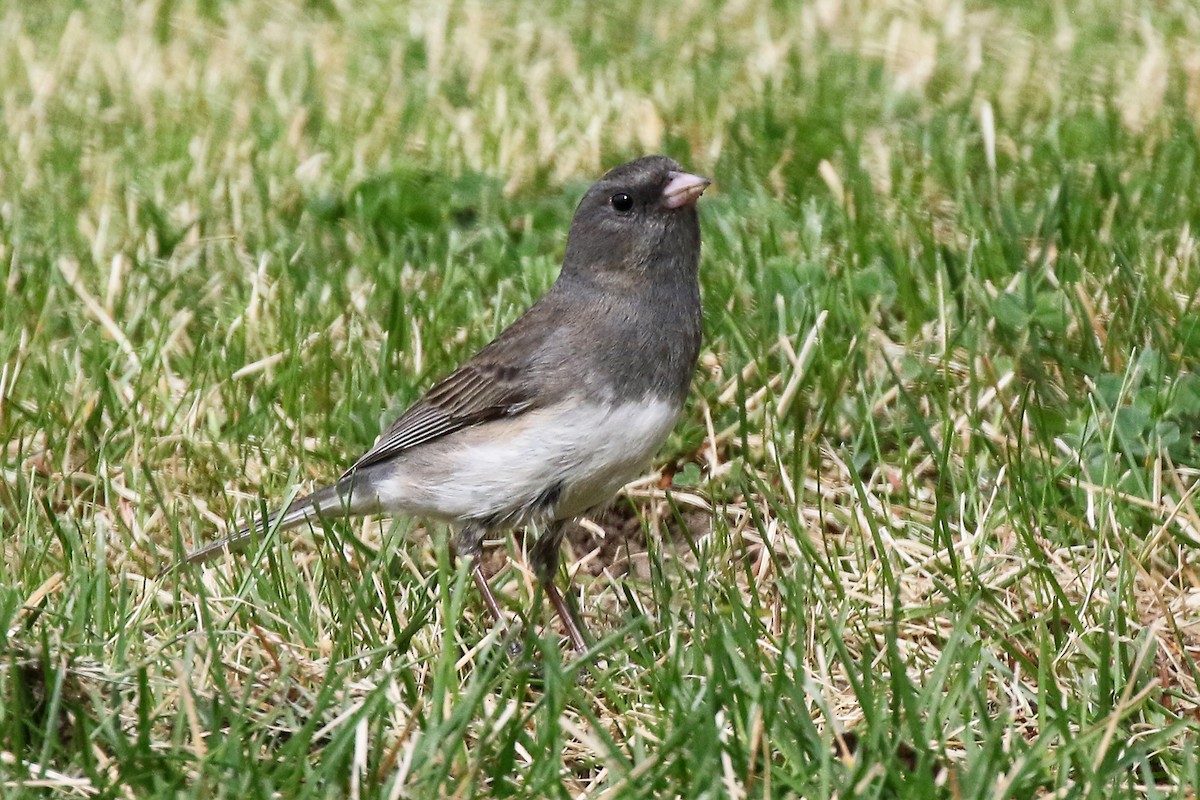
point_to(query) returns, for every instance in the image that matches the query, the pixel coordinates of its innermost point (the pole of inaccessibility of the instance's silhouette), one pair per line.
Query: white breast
(499, 469)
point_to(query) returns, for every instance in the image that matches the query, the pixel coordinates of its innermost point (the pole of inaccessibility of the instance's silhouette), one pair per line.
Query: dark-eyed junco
(565, 406)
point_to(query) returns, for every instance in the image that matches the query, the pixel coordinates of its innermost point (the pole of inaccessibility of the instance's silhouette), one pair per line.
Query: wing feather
(498, 382)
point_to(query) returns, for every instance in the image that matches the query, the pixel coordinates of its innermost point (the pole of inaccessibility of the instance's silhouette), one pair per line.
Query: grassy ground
(932, 523)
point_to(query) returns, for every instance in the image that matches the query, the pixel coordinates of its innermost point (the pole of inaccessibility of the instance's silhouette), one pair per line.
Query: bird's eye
(622, 202)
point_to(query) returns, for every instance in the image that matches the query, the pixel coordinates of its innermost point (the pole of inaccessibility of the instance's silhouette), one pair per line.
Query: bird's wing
(495, 383)
(474, 393)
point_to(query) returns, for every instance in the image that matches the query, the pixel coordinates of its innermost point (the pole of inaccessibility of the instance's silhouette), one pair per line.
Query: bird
(563, 408)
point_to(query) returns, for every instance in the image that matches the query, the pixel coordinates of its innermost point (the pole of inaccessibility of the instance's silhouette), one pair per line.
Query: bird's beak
(683, 189)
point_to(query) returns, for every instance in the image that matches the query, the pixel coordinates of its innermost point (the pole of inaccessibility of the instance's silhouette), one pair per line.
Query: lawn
(928, 526)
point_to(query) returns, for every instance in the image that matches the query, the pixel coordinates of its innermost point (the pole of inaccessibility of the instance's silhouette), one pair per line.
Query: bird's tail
(347, 498)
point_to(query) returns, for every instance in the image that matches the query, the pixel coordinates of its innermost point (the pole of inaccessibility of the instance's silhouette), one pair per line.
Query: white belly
(504, 468)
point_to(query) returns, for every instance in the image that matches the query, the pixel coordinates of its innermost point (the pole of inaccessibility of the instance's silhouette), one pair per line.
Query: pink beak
(683, 189)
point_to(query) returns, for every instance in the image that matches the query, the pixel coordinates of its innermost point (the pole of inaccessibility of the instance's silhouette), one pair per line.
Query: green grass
(933, 527)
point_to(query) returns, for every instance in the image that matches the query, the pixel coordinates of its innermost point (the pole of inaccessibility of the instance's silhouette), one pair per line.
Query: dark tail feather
(344, 499)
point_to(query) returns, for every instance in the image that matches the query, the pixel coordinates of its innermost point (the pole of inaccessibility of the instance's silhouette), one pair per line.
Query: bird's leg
(543, 557)
(468, 543)
(574, 628)
(489, 599)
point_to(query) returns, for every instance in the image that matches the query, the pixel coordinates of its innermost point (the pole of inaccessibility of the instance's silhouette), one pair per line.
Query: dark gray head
(639, 219)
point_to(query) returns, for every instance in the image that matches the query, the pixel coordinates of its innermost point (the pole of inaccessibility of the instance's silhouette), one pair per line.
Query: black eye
(622, 202)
